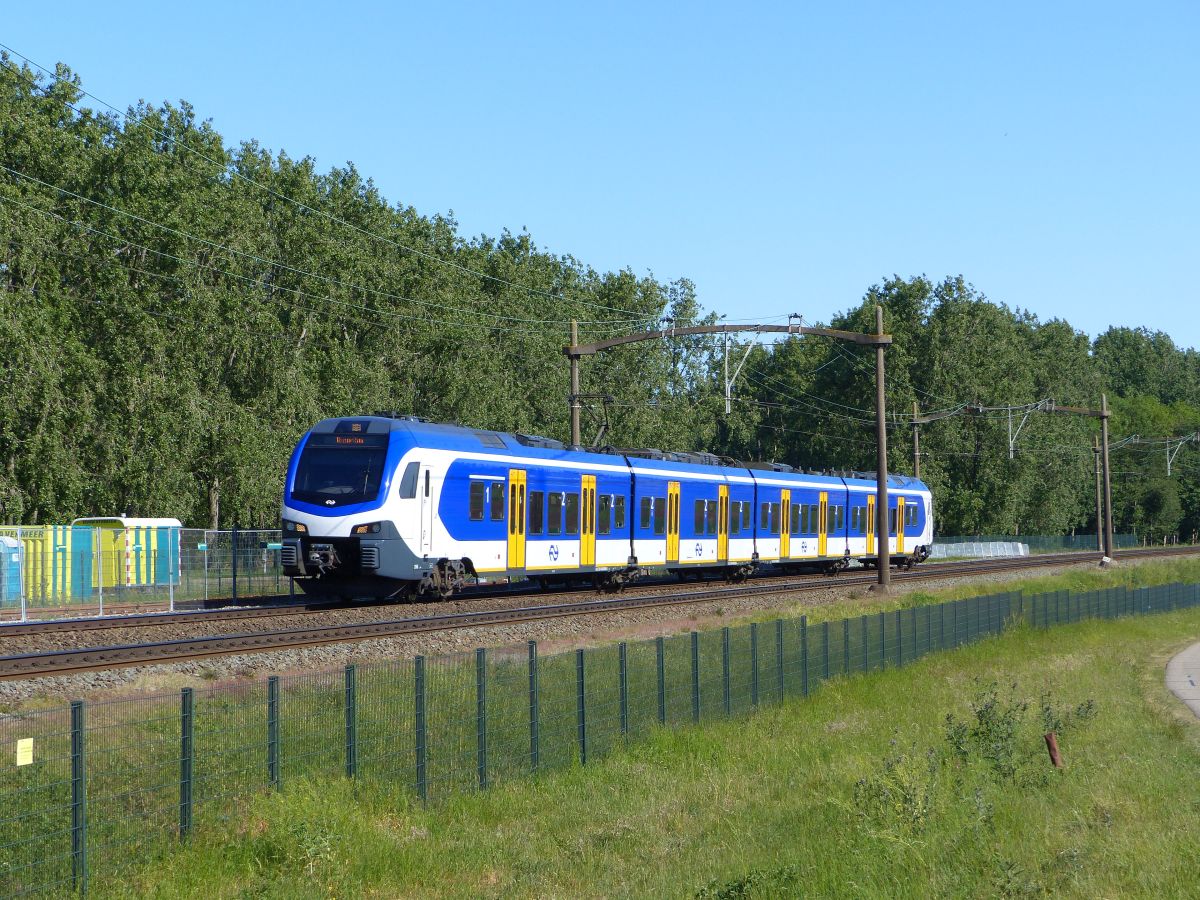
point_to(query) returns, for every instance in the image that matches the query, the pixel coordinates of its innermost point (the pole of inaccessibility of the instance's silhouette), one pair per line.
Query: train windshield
(337, 471)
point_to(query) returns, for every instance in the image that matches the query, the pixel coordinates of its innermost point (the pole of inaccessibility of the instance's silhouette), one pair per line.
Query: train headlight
(295, 527)
(369, 528)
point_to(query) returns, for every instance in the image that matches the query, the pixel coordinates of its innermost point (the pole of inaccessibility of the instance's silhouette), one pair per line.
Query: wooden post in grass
(1052, 748)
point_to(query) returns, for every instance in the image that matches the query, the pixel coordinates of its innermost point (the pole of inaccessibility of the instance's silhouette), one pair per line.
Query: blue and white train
(388, 507)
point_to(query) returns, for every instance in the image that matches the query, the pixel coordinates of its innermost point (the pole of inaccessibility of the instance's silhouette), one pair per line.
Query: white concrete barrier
(979, 550)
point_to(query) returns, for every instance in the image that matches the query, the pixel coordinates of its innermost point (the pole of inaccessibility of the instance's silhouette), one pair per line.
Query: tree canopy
(175, 313)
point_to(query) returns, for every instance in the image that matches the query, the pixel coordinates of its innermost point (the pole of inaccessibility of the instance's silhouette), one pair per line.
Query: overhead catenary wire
(233, 173)
(259, 282)
(273, 262)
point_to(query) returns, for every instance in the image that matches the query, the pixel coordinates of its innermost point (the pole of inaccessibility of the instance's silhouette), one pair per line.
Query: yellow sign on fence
(25, 752)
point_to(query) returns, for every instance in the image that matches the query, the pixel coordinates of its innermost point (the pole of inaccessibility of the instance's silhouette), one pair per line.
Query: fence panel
(88, 791)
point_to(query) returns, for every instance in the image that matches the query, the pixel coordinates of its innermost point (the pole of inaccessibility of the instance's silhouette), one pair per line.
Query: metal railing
(90, 791)
(67, 571)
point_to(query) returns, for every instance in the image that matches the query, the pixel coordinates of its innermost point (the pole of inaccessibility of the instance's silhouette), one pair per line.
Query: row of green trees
(174, 313)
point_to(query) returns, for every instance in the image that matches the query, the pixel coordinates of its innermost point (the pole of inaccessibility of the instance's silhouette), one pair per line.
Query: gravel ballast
(551, 634)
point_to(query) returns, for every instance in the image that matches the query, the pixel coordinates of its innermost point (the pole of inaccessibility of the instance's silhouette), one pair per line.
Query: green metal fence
(90, 790)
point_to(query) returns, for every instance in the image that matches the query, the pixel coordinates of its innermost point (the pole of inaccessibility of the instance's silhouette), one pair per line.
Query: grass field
(866, 788)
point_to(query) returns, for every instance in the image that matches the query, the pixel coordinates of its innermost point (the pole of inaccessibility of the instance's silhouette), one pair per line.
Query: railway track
(274, 606)
(61, 662)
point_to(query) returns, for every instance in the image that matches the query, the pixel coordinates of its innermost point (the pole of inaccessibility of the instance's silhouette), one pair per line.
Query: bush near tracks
(928, 780)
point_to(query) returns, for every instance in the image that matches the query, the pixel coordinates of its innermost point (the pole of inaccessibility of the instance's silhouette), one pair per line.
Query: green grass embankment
(864, 789)
(1133, 574)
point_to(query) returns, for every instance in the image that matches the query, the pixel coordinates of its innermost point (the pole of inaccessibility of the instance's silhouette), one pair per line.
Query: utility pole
(916, 443)
(1106, 543)
(878, 340)
(1099, 499)
(576, 436)
(1108, 518)
(884, 561)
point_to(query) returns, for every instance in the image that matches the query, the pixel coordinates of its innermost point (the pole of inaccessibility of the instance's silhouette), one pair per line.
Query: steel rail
(62, 662)
(271, 607)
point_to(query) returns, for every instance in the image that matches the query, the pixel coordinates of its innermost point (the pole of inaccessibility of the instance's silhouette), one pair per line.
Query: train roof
(447, 436)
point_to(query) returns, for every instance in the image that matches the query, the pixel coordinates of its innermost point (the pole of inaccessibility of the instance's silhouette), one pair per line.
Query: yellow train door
(899, 524)
(822, 529)
(723, 523)
(587, 523)
(785, 525)
(871, 525)
(517, 480)
(672, 521)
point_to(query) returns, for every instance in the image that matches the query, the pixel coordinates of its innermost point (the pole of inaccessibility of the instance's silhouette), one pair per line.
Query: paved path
(1183, 677)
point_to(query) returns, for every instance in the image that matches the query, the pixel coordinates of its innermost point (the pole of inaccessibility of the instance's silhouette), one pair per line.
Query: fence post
(882, 640)
(187, 752)
(845, 646)
(171, 569)
(695, 676)
(660, 663)
(273, 730)
(942, 625)
(22, 590)
(804, 656)
(754, 664)
(79, 860)
(419, 725)
(725, 694)
(533, 706)
(954, 623)
(351, 721)
(899, 639)
(825, 651)
(915, 652)
(233, 540)
(862, 621)
(581, 705)
(481, 715)
(623, 684)
(779, 657)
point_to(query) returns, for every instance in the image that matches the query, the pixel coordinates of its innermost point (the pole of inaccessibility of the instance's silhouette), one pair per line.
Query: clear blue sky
(784, 157)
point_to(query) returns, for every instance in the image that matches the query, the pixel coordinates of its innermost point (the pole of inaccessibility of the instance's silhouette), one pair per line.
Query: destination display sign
(348, 440)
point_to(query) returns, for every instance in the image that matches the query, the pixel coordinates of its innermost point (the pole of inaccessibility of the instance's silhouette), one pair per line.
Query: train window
(892, 521)
(660, 515)
(478, 491)
(795, 524)
(856, 518)
(766, 517)
(712, 516)
(910, 515)
(699, 517)
(647, 509)
(735, 517)
(408, 483)
(497, 502)
(746, 513)
(572, 514)
(536, 513)
(426, 482)
(554, 513)
(841, 518)
(774, 518)
(619, 511)
(604, 519)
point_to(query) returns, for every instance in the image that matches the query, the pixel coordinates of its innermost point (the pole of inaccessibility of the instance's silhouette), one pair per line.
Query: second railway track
(62, 662)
